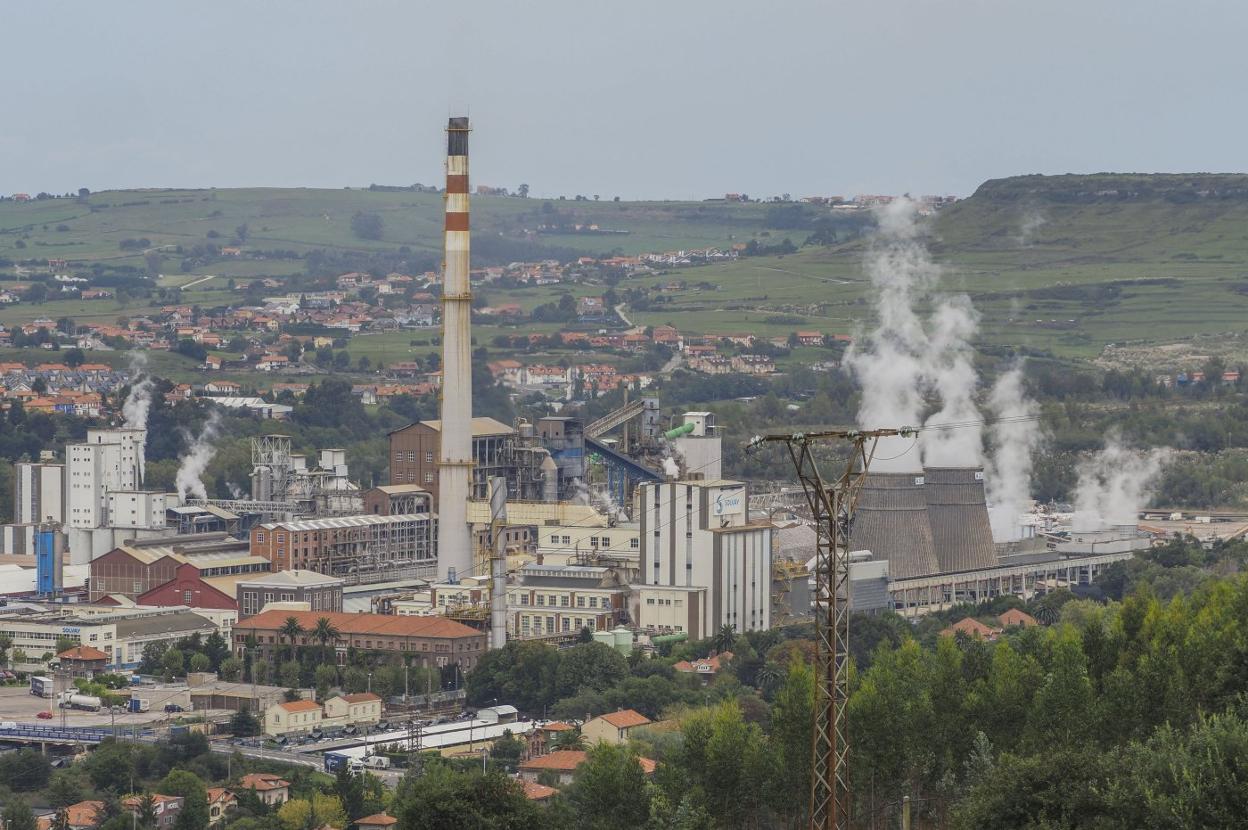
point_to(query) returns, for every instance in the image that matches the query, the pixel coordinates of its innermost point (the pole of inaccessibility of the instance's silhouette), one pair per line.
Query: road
(619, 310)
(670, 365)
(194, 283)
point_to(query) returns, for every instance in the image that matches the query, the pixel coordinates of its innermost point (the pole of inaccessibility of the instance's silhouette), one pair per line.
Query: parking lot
(18, 704)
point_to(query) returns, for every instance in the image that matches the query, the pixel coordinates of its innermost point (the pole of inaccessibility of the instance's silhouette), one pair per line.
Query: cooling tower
(455, 446)
(891, 522)
(958, 515)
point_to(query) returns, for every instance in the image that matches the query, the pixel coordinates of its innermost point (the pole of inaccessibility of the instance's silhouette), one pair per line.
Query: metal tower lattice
(832, 504)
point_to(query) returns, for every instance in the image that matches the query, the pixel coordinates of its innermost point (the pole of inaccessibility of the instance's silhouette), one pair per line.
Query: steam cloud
(1014, 439)
(670, 468)
(1032, 221)
(139, 402)
(1115, 484)
(189, 480)
(905, 357)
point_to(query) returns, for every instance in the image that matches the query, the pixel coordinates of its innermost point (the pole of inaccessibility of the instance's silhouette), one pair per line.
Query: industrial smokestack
(958, 515)
(455, 451)
(891, 522)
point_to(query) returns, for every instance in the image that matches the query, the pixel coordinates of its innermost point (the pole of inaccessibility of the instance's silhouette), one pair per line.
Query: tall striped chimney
(455, 453)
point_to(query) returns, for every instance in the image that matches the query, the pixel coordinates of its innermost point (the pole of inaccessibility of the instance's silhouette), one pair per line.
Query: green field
(1064, 264)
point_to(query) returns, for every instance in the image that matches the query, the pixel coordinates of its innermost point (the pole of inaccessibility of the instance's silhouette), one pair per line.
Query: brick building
(320, 592)
(434, 641)
(334, 545)
(188, 587)
(414, 456)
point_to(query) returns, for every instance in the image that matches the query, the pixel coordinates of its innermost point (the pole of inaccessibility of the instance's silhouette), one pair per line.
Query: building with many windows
(318, 591)
(348, 544)
(434, 642)
(561, 599)
(696, 534)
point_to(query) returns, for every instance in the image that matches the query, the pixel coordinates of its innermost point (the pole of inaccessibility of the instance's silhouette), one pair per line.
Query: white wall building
(695, 533)
(38, 493)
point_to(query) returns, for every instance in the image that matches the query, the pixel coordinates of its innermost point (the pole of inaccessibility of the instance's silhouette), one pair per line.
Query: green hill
(1060, 264)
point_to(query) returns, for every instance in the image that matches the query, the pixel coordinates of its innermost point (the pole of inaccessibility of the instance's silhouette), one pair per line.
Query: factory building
(563, 599)
(348, 544)
(120, 633)
(695, 534)
(495, 452)
(891, 521)
(394, 499)
(317, 591)
(38, 493)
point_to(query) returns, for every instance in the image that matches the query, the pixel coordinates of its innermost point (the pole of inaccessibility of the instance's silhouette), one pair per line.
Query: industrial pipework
(455, 449)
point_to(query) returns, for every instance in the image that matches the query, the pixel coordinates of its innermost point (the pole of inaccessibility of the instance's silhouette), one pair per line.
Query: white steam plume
(1015, 436)
(1114, 485)
(952, 375)
(889, 362)
(139, 402)
(190, 474)
(670, 468)
(1033, 219)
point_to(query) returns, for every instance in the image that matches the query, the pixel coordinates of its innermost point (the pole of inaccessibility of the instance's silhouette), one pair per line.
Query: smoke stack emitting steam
(455, 448)
(139, 402)
(190, 478)
(906, 358)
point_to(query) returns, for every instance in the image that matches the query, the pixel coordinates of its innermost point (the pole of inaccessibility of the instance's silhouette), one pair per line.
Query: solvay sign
(728, 503)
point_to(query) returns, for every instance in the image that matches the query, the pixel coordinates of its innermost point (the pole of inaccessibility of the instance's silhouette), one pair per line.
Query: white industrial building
(38, 493)
(695, 533)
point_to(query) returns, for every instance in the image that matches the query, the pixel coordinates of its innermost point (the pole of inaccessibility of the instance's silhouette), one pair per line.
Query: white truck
(90, 703)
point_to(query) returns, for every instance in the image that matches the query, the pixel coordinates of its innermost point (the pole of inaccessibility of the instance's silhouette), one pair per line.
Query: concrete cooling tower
(891, 521)
(958, 515)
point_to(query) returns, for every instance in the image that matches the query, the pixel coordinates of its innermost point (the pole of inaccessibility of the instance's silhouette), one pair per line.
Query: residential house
(972, 628)
(613, 727)
(83, 661)
(85, 815)
(222, 387)
(705, 669)
(220, 802)
(564, 763)
(378, 821)
(272, 789)
(343, 710)
(1015, 617)
(296, 716)
(166, 807)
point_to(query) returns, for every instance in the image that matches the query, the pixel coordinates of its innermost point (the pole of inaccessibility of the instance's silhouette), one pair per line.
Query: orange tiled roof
(349, 624)
(82, 653)
(626, 719)
(300, 705)
(564, 760)
(262, 781)
(377, 820)
(360, 697)
(534, 791)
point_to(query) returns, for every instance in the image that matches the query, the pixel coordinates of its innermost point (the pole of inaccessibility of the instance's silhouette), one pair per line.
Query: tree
(217, 649)
(290, 630)
(73, 358)
(289, 674)
(18, 815)
(349, 788)
(792, 733)
(312, 814)
(724, 638)
(523, 191)
(444, 798)
(326, 676)
(173, 663)
(64, 788)
(325, 633)
(145, 814)
(111, 766)
(25, 770)
(200, 662)
(593, 666)
(244, 724)
(522, 673)
(367, 225)
(610, 790)
(230, 669)
(194, 812)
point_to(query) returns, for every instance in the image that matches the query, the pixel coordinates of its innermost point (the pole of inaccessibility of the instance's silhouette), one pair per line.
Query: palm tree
(325, 633)
(570, 739)
(724, 638)
(768, 677)
(290, 630)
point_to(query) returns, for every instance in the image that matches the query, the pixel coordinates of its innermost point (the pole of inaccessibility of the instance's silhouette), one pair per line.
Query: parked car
(172, 707)
(44, 715)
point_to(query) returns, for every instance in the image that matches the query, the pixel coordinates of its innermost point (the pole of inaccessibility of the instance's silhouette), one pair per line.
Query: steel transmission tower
(832, 504)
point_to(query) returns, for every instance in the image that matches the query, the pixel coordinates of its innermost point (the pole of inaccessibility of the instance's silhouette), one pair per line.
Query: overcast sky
(664, 99)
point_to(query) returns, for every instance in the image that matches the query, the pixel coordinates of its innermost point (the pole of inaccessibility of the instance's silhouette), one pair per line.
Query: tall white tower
(455, 452)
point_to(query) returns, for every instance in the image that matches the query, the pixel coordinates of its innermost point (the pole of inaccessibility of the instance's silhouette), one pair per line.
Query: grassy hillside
(1066, 264)
(301, 220)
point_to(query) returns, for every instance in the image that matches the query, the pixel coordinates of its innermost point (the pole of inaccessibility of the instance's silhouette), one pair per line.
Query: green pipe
(683, 429)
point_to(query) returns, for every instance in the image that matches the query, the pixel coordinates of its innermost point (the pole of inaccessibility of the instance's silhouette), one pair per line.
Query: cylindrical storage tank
(958, 515)
(891, 522)
(607, 638)
(623, 640)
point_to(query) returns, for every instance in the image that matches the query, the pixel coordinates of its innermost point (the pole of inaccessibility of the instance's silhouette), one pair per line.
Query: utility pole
(832, 503)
